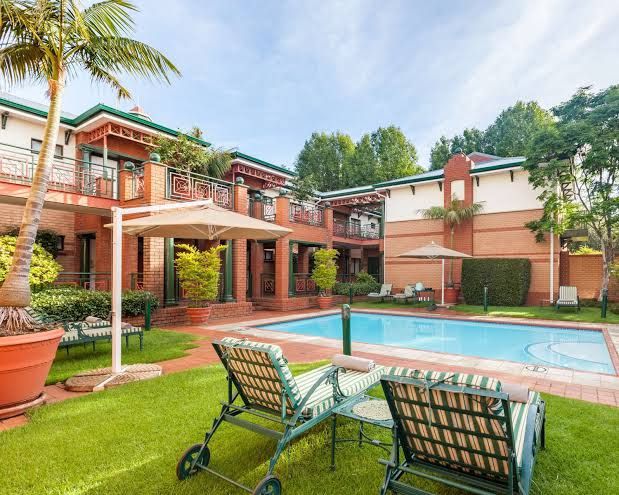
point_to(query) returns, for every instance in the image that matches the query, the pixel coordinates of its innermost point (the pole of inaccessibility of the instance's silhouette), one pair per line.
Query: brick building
(103, 161)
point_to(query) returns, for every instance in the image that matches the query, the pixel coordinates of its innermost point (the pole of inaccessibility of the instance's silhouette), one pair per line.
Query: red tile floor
(297, 352)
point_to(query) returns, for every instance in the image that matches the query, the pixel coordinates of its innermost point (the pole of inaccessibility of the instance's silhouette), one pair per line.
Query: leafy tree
(325, 269)
(51, 41)
(513, 129)
(323, 157)
(303, 188)
(453, 215)
(396, 155)
(44, 269)
(575, 164)
(361, 168)
(46, 238)
(184, 153)
(198, 272)
(469, 141)
(440, 153)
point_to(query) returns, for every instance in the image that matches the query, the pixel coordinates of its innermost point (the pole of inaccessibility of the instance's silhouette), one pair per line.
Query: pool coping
(565, 375)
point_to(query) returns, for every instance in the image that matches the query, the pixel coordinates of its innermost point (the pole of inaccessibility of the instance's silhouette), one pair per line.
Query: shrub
(198, 272)
(74, 304)
(325, 269)
(508, 280)
(46, 238)
(362, 286)
(44, 269)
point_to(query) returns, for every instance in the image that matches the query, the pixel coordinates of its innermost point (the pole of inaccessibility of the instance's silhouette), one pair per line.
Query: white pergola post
(552, 266)
(443, 282)
(117, 263)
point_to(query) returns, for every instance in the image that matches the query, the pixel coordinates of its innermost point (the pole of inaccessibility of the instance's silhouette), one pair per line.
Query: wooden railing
(187, 186)
(307, 214)
(352, 230)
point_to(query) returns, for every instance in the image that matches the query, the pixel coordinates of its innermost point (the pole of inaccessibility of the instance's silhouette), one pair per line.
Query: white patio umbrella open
(191, 220)
(435, 251)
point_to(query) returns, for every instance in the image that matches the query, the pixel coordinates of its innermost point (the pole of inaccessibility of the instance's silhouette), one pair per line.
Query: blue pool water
(583, 350)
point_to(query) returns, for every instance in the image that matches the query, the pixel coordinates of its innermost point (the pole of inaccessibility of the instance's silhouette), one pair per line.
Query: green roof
(423, 177)
(238, 154)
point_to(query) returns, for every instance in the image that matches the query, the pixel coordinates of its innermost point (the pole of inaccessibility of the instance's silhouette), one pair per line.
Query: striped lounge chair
(385, 291)
(409, 293)
(461, 430)
(568, 297)
(260, 385)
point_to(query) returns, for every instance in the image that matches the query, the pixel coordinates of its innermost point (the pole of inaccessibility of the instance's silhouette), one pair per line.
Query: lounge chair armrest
(328, 376)
(529, 450)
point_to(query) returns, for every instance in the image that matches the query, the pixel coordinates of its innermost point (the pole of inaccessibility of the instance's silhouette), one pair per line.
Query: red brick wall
(585, 272)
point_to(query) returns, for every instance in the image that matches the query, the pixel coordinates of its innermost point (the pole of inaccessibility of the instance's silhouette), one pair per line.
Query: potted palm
(325, 275)
(50, 41)
(198, 272)
(453, 215)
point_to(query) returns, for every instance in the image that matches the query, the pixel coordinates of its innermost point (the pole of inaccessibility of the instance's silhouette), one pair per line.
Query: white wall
(20, 131)
(403, 205)
(500, 194)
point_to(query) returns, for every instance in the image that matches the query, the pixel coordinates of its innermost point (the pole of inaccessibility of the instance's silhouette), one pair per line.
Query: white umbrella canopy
(434, 251)
(203, 222)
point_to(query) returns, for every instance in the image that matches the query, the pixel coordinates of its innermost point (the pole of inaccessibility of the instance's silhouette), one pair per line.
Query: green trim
(169, 288)
(517, 163)
(101, 108)
(291, 288)
(409, 180)
(238, 154)
(308, 243)
(228, 273)
(346, 192)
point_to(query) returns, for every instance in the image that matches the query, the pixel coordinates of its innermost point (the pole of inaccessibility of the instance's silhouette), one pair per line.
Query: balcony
(354, 230)
(17, 166)
(262, 209)
(307, 214)
(189, 186)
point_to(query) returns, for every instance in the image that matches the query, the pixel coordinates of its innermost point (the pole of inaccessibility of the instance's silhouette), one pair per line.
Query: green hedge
(364, 284)
(74, 304)
(508, 280)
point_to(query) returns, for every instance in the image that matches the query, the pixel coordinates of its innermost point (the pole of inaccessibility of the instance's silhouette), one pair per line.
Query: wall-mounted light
(477, 180)
(511, 175)
(5, 118)
(413, 190)
(67, 136)
(440, 186)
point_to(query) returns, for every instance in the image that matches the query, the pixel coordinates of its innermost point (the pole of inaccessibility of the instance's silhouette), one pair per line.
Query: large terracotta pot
(451, 295)
(325, 302)
(198, 316)
(25, 361)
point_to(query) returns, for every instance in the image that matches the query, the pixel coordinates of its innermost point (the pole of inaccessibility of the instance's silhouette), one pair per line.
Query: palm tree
(51, 41)
(453, 215)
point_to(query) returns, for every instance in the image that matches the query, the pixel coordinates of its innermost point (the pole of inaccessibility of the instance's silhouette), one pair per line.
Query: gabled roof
(430, 175)
(346, 192)
(277, 168)
(501, 163)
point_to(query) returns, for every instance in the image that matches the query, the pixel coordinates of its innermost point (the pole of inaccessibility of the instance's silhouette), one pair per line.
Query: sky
(261, 76)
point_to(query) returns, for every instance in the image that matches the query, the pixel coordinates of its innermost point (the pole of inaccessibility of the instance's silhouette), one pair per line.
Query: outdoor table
(428, 295)
(367, 411)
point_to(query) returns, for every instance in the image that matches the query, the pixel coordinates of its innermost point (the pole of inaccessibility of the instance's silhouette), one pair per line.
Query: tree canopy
(509, 135)
(574, 163)
(334, 161)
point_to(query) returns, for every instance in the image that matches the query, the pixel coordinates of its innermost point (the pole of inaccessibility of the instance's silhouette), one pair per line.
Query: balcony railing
(91, 281)
(352, 230)
(17, 166)
(304, 284)
(307, 214)
(267, 284)
(189, 186)
(136, 183)
(263, 209)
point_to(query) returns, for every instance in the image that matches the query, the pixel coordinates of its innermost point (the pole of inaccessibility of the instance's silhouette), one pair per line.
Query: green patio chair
(460, 430)
(261, 386)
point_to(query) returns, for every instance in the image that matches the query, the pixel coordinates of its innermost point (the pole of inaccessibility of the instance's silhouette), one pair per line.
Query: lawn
(128, 440)
(590, 315)
(159, 345)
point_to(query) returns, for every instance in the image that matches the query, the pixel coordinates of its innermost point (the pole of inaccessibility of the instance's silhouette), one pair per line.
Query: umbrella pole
(443, 282)
(116, 288)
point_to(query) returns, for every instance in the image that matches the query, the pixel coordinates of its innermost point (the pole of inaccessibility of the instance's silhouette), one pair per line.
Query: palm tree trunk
(15, 291)
(608, 258)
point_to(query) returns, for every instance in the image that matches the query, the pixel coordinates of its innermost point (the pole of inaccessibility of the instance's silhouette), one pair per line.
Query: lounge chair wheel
(269, 486)
(183, 468)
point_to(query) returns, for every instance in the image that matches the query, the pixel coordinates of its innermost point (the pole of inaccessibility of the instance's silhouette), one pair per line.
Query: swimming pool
(583, 350)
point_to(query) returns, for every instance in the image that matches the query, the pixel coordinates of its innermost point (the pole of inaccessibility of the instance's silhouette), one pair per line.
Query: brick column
(153, 266)
(282, 268)
(257, 267)
(239, 246)
(328, 215)
(154, 183)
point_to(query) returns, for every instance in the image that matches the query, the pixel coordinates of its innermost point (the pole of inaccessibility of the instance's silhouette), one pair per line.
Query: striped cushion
(518, 413)
(261, 371)
(351, 383)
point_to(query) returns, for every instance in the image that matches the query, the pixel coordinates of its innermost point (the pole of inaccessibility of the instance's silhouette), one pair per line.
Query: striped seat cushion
(351, 383)
(518, 413)
(262, 373)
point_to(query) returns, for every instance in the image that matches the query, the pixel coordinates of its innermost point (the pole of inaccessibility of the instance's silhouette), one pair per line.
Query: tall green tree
(440, 153)
(51, 41)
(511, 133)
(361, 168)
(575, 164)
(395, 154)
(322, 159)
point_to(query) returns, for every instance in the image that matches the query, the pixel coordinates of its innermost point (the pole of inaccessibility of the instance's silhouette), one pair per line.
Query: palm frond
(109, 17)
(23, 62)
(100, 75)
(433, 213)
(219, 162)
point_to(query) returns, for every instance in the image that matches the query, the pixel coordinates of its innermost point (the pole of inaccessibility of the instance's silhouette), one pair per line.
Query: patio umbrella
(207, 221)
(193, 220)
(435, 251)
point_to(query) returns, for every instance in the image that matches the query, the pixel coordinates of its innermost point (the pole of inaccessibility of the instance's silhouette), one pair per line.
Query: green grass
(128, 440)
(159, 345)
(590, 315)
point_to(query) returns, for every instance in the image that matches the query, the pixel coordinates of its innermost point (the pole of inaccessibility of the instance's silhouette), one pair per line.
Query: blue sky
(262, 76)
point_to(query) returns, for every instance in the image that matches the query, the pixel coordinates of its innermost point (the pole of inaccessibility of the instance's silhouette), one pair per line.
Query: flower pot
(25, 361)
(198, 316)
(325, 302)
(451, 295)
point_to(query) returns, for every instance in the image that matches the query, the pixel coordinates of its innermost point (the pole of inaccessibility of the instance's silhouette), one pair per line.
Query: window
(35, 146)
(60, 243)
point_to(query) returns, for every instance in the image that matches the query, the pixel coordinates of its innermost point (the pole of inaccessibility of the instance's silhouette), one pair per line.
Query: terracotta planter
(198, 316)
(25, 361)
(325, 302)
(451, 295)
